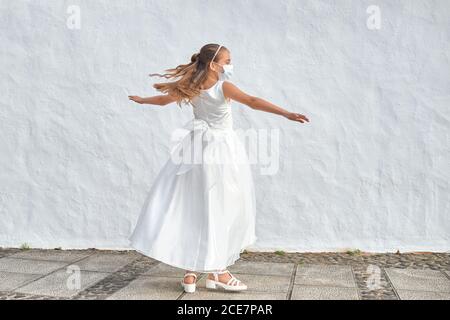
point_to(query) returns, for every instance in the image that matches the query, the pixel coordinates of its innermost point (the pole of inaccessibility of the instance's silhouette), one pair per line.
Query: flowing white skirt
(200, 212)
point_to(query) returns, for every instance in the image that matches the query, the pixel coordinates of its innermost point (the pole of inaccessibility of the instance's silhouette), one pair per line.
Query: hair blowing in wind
(189, 76)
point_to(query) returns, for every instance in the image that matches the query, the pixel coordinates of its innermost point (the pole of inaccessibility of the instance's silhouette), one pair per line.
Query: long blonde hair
(191, 76)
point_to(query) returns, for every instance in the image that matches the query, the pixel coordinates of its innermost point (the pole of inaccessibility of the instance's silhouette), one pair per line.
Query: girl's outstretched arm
(160, 100)
(233, 92)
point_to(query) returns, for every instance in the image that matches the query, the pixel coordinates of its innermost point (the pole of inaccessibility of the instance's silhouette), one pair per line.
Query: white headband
(216, 53)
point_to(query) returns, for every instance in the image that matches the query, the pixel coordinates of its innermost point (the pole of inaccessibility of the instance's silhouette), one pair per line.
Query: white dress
(200, 212)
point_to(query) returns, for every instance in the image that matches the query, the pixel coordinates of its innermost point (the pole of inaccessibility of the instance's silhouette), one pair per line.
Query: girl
(201, 216)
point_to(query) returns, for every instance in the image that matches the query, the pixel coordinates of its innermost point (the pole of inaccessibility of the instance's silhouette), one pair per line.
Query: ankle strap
(190, 274)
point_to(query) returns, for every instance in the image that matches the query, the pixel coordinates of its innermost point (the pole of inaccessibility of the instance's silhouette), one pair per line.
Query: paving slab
(418, 280)
(11, 280)
(165, 270)
(150, 288)
(325, 275)
(61, 284)
(105, 262)
(262, 268)
(29, 266)
(423, 295)
(51, 255)
(301, 292)
(109, 274)
(256, 282)
(209, 294)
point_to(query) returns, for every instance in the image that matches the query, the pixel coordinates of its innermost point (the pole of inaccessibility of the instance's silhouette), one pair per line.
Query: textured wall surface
(370, 171)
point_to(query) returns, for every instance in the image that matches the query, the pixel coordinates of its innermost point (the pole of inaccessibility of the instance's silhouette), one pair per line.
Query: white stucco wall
(370, 171)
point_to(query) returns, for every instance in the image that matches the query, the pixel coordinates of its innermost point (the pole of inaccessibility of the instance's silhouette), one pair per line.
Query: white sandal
(189, 287)
(233, 284)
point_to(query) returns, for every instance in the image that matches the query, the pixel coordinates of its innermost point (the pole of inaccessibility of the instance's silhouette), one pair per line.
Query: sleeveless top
(212, 107)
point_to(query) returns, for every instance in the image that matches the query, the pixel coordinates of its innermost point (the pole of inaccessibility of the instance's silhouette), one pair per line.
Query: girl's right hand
(296, 117)
(136, 99)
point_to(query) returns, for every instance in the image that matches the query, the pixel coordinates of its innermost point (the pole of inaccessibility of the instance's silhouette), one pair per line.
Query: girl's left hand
(296, 117)
(136, 99)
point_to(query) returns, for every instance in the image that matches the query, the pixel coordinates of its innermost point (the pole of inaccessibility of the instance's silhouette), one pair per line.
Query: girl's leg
(224, 277)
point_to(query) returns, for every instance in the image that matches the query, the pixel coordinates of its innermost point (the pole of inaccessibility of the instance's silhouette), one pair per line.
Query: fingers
(300, 118)
(133, 98)
(305, 118)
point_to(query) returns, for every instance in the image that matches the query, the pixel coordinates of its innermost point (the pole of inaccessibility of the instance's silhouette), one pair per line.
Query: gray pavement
(96, 274)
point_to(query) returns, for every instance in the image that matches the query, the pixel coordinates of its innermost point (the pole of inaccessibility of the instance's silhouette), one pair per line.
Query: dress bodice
(212, 106)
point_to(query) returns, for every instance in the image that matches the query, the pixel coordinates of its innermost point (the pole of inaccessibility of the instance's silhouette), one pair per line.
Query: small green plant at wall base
(280, 252)
(25, 246)
(58, 248)
(353, 252)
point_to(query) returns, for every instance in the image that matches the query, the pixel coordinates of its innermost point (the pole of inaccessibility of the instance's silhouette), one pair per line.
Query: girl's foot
(225, 280)
(189, 282)
(189, 277)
